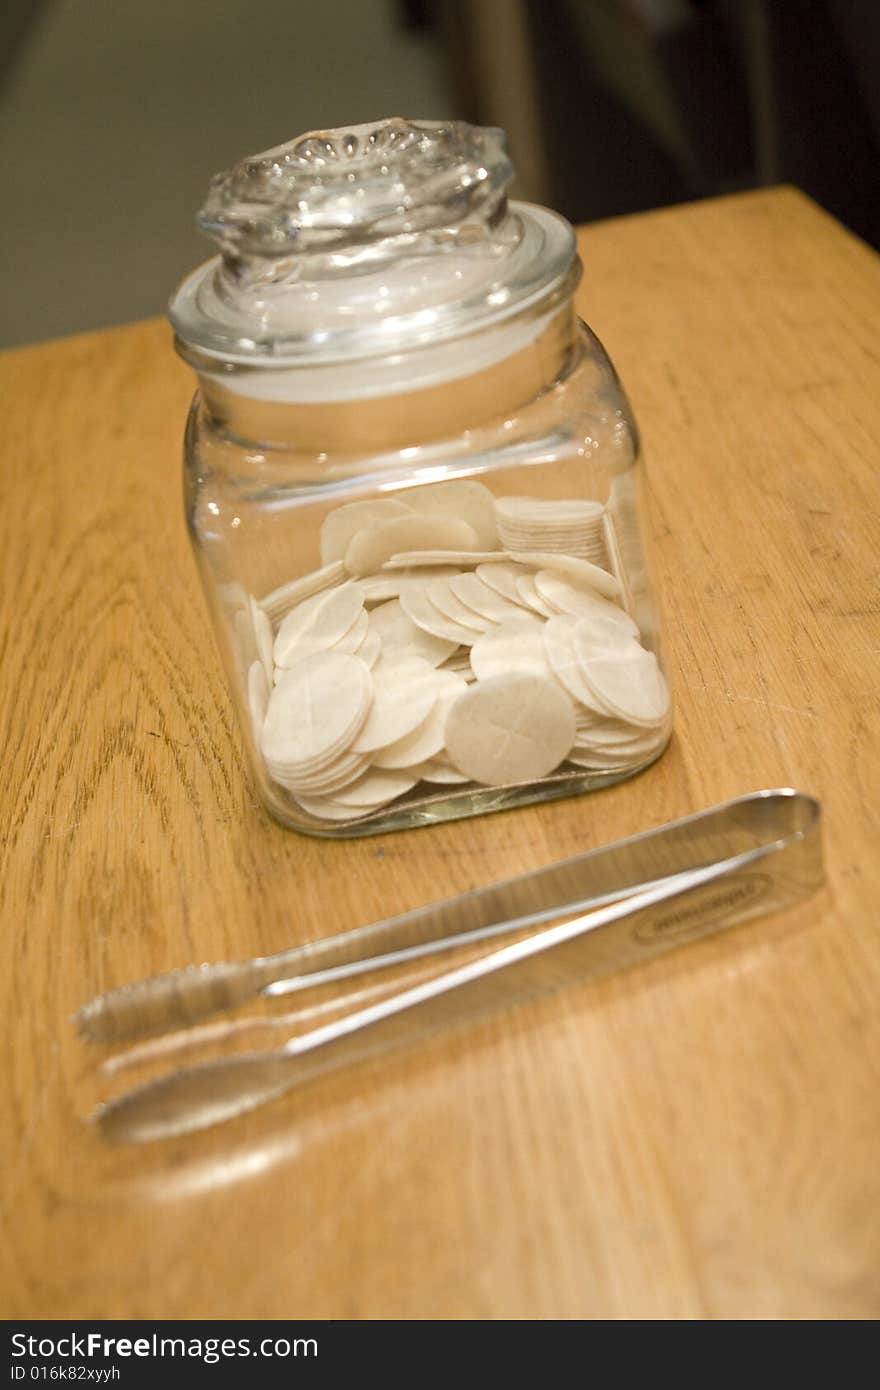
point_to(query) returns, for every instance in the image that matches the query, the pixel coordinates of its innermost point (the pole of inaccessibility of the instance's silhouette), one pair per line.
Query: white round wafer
(281, 600)
(316, 710)
(428, 739)
(378, 588)
(513, 647)
(354, 639)
(622, 751)
(566, 596)
(594, 762)
(630, 684)
(328, 808)
(529, 596)
(318, 623)
(617, 759)
(501, 575)
(467, 500)
(265, 637)
(436, 770)
(370, 548)
(417, 606)
(341, 773)
(441, 594)
(370, 649)
(558, 634)
(404, 694)
(575, 542)
(537, 511)
(510, 729)
(398, 632)
(579, 570)
(421, 574)
(571, 527)
(340, 526)
(258, 697)
(416, 559)
(597, 637)
(612, 733)
(375, 789)
(483, 599)
(587, 719)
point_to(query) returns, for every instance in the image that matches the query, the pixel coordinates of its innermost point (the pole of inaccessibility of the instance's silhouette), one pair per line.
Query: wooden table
(699, 1138)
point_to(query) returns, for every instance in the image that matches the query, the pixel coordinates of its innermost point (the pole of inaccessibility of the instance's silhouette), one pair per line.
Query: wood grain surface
(699, 1138)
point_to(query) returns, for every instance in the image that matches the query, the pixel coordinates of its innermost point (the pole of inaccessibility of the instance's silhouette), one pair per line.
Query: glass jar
(411, 482)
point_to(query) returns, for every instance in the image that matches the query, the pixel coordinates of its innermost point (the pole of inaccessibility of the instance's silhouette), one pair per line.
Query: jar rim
(285, 326)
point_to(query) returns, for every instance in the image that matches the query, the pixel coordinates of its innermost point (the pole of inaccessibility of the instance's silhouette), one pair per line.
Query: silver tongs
(626, 903)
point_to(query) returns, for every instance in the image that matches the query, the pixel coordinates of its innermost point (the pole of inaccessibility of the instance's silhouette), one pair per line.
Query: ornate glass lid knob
(340, 189)
(364, 241)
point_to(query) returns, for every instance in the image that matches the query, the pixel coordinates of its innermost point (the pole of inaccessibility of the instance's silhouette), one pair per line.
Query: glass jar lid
(371, 240)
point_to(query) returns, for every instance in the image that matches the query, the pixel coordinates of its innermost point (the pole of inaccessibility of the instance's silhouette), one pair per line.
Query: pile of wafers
(452, 638)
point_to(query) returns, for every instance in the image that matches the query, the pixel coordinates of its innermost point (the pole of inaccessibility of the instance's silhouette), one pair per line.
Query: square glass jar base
(416, 809)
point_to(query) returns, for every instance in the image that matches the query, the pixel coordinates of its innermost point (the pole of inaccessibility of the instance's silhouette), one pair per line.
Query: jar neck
(363, 424)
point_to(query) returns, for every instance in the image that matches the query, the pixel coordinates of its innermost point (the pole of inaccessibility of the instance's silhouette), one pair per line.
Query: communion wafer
(616, 759)
(340, 526)
(566, 596)
(530, 598)
(629, 684)
(501, 575)
(529, 523)
(317, 623)
(370, 649)
(595, 762)
(467, 500)
(625, 738)
(371, 791)
(615, 559)
(265, 637)
(594, 637)
(613, 733)
(375, 788)
(417, 559)
(626, 751)
(378, 588)
(528, 511)
(580, 570)
(587, 719)
(281, 600)
(354, 639)
(344, 770)
(515, 646)
(558, 634)
(388, 584)
(370, 548)
(439, 771)
(427, 740)
(396, 631)
(404, 692)
(511, 728)
(316, 710)
(485, 601)
(328, 808)
(418, 607)
(443, 597)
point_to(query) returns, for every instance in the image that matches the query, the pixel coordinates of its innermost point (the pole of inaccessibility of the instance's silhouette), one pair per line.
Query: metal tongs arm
(654, 920)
